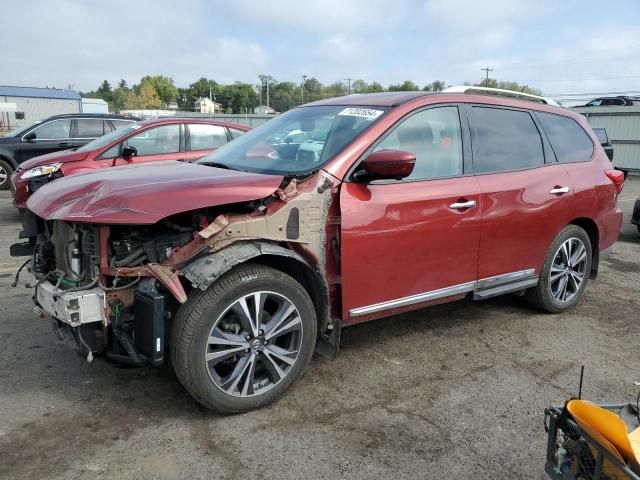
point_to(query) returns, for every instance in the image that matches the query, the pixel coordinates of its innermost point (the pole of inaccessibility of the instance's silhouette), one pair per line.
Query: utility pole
(266, 79)
(304, 79)
(349, 83)
(486, 70)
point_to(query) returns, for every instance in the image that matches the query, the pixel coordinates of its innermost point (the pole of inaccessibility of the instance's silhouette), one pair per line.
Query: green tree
(239, 97)
(359, 86)
(436, 86)
(375, 87)
(312, 90)
(164, 87)
(336, 89)
(104, 91)
(149, 96)
(505, 85)
(284, 95)
(122, 84)
(119, 99)
(406, 86)
(133, 101)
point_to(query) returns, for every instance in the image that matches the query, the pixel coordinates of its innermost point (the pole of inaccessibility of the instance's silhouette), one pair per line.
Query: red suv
(147, 141)
(243, 263)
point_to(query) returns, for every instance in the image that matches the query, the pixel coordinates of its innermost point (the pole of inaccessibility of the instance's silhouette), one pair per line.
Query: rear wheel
(565, 271)
(5, 173)
(239, 345)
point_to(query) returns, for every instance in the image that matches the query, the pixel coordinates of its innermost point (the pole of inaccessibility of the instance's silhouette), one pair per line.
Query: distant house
(264, 110)
(206, 105)
(172, 105)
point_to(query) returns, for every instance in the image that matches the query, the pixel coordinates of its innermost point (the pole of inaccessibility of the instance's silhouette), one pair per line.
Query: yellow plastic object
(634, 439)
(606, 428)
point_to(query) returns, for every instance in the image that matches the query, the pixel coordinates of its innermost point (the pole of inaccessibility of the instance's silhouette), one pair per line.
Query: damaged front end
(114, 289)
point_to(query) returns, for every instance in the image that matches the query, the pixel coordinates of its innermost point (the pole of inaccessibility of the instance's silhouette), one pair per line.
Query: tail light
(617, 177)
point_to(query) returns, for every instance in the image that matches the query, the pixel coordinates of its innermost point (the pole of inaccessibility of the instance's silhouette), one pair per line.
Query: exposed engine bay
(113, 290)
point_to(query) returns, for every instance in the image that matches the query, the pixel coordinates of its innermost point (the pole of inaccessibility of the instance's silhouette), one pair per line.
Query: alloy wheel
(4, 176)
(568, 270)
(254, 344)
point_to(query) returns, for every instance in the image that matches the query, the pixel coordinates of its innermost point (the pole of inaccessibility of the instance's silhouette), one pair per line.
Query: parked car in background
(635, 217)
(618, 101)
(53, 134)
(256, 255)
(146, 141)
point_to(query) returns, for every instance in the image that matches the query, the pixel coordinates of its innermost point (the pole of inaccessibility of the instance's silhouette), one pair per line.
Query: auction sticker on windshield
(368, 113)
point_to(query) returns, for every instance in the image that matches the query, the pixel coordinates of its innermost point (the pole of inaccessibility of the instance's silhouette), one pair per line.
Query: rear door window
(90, 128)
(568, 139)
(504, 140)
(206, 137)
(156, 141)
(54, 130)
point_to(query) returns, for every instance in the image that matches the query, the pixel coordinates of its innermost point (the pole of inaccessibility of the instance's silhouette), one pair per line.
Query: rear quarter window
(568, 139)
(504, 140)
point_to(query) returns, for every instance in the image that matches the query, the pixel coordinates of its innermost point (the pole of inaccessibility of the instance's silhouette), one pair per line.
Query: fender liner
(204, 271)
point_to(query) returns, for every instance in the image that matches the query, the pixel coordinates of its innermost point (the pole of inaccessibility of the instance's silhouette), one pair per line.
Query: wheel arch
(205, 270)
(591, 227)
(9, 159)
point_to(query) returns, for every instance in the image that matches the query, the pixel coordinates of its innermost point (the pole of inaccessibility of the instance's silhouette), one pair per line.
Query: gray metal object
(254, 344)
(72, 308)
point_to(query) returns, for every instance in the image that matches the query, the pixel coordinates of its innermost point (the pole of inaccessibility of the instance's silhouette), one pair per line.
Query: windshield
(105, 140)
(296, 142)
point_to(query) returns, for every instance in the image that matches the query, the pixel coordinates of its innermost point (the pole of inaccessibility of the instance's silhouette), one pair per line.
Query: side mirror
(30, 137)
(128, 152)
(386, 164)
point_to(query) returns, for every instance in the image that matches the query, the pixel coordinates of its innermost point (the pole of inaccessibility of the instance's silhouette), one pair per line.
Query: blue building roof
(33, 92)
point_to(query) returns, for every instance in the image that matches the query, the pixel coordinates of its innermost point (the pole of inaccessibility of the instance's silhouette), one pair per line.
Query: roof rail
(500, 92)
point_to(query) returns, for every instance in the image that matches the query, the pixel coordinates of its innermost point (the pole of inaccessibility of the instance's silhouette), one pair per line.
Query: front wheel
(565, 272)
(5, 175)
(240, 344)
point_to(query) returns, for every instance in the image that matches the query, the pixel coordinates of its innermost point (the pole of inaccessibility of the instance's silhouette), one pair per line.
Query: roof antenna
(580, 387)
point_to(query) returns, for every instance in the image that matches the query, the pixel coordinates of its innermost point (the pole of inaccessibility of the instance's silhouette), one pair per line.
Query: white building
(20, 106)
(206, 105)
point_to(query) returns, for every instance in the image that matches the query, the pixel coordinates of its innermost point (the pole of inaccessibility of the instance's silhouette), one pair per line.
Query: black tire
(5, 175)
(203, 311)
(542, 296)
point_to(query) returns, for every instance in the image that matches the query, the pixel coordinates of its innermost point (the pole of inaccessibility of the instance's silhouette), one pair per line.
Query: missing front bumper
(72, 308)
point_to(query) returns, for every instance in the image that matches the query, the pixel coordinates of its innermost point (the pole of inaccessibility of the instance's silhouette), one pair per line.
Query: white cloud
(356, 16)
(81, 43)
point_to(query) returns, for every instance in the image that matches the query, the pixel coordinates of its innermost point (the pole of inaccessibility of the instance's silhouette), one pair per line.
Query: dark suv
(60, 132)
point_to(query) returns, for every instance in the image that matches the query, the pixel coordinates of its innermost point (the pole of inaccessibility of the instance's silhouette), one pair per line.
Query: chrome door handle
(559, 190)
(463, 205)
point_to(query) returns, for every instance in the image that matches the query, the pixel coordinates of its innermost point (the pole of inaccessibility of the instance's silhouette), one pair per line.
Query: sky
(558, 46)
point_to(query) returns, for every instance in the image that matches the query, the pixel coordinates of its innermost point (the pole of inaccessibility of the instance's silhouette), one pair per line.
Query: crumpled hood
(63, 156)
(146, 193)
